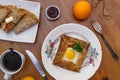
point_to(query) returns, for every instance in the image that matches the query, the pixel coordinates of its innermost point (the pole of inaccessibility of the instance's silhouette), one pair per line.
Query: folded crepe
(4, 11)
(26, 22)
(12, 19)
(68, 55)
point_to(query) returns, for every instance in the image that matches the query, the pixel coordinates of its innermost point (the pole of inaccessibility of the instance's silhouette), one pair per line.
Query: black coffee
(12, 61)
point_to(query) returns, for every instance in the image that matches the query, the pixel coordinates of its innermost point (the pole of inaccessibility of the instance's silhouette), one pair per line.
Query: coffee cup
(11, 62)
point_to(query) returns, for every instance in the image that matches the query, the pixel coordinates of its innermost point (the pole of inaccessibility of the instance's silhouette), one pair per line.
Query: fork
(98, 29)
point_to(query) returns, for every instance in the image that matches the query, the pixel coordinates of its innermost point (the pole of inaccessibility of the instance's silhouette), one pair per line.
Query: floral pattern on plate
(90, 58)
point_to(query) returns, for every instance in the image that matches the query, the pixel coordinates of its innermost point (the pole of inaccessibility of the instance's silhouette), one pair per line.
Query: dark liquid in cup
(12, 61)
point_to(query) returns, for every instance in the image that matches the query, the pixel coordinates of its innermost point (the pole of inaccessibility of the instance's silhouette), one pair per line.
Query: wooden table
(111, 29)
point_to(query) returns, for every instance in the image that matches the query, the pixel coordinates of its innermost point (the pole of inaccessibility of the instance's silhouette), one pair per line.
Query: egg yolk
(70, 54)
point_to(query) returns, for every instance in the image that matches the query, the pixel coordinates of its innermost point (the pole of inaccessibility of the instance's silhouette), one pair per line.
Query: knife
(36, 64)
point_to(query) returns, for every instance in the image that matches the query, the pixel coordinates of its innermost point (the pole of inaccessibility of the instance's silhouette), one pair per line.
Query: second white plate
(29, 35)
(90, 64)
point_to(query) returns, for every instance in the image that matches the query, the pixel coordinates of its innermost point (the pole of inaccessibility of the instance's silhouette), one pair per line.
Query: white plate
(28, 35)
(90, 64)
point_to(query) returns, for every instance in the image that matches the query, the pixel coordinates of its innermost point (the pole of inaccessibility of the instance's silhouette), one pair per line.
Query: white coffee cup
(9, 73)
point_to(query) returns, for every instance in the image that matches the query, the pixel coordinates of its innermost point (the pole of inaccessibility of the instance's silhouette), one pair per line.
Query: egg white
(74, 60)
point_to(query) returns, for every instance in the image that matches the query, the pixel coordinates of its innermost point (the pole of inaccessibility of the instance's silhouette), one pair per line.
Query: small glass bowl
(52, 12)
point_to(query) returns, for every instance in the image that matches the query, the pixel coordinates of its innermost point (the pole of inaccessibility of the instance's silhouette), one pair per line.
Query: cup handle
(7, 76)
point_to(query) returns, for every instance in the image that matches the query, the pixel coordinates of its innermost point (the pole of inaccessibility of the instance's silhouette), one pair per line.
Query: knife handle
(45, 78)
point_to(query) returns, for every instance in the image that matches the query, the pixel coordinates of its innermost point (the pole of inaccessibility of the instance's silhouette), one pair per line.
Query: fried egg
(71, 55)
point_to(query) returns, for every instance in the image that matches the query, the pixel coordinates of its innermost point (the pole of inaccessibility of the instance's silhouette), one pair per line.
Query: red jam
(52, 12)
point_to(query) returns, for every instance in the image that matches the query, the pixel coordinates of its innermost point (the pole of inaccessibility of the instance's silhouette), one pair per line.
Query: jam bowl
(52, 12)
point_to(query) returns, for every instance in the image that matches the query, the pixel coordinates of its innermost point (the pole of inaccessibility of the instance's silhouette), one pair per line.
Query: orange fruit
(82, 10)
(28, 78)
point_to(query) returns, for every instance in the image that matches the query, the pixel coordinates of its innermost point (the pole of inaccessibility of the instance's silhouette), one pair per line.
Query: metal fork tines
(97, 26)
(98, 29)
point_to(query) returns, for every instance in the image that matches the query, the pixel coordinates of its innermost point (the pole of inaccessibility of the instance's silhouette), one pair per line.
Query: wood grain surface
(111, 30)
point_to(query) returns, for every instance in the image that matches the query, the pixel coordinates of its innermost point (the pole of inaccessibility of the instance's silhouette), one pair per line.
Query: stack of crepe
(16, 19)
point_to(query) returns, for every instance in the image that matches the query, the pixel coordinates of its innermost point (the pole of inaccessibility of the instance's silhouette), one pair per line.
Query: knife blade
(36, 64)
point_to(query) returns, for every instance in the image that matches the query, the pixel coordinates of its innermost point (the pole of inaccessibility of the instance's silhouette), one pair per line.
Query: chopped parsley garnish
(78, 47)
